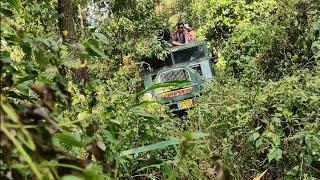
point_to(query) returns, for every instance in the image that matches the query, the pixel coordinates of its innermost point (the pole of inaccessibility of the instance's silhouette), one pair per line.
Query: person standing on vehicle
(191, 32)
(181, 36)
(166, 36)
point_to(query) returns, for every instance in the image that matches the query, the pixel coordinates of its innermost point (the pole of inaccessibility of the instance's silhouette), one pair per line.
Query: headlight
(147, 97)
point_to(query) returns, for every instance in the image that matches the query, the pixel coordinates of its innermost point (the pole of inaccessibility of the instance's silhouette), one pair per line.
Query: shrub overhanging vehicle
(189, 63)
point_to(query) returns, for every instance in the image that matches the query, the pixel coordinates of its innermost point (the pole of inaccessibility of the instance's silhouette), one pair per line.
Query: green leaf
(216, 125)
(71, 177)
(97, 50)
(6, 107)
(253, 136)
(198, 135)
(259, 142)
(92, 172)
(53, 44)
(16, 4)
(316, 25)
(13, 38)
(101, 37)
(146, 116)
(161, 85)
(108, 135)
(54, 163)
(23, 86)
(159, 145)
(16, 95)
(294, 171)
(83, 116)
(274, 153)
(44, 41)
(68, 139)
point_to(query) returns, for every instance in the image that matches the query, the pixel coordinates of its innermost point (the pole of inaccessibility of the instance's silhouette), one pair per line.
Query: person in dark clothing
(166, 36)
(181, 36)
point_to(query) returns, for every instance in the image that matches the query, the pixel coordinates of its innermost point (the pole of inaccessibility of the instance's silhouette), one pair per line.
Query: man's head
(180, 27)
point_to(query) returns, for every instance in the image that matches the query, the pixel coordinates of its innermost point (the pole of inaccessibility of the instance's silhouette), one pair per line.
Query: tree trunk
(66, 21)
(68, 33)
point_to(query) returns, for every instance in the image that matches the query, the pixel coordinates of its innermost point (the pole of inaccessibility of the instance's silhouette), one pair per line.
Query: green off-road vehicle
(190, 63)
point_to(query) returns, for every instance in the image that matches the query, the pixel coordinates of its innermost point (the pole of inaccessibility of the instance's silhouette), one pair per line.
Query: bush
(255, 52)
(265, 127)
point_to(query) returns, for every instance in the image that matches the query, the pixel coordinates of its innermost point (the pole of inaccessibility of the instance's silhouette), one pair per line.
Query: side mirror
(145, 67)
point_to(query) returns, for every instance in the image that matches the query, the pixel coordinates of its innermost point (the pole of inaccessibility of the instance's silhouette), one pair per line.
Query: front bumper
(180, 105)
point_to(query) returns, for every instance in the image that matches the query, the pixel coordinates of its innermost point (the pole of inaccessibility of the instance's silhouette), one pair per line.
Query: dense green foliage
(268, 114)
(265, 127)
(72, 110)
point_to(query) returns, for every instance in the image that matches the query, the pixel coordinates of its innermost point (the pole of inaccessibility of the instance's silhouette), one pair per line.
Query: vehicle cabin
(188, 62)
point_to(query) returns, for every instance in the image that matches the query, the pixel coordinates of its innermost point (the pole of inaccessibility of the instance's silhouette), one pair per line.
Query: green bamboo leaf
(25, 137)
(96, 50)
(92, 172)
(9, 111)
(146, 116)
(101, 37)
(13, 38)
(198, 135)
(24, 154)
(216, 125)
(68, 139)
(54, 163)
(71, 177)
(159, 145)
(43, 41)
(161, 85)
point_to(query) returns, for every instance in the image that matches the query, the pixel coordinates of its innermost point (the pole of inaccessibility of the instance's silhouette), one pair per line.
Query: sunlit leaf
(9, 111)
(101, 37)
(274, 153)
(159, 145)
(97, 50)
(92, 172)
(44, 41)
(71, 177)
(161, 85)
(253, 136)
(68, 139)
(198, 135)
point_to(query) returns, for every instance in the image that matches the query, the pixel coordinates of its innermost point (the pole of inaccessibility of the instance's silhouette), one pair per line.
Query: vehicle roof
(175, 66)
(178, 48)
(187, 46)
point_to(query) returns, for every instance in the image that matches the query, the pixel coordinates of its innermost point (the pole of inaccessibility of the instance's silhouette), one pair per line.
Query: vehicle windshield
(189, 54)
(174, 75)
(157, 63)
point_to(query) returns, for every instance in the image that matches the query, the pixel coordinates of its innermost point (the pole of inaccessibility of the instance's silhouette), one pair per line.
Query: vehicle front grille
(174, 75)
(179, 92)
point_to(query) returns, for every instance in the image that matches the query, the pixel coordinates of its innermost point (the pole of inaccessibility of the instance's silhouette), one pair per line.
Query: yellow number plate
(185, 104)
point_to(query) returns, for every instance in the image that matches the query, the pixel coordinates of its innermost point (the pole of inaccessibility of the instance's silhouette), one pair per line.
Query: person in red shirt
(191, 32)
(181, 36)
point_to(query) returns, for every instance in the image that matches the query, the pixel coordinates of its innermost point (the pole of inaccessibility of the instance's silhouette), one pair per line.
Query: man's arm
(186, 37)
(175, 40)
(176, 43)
